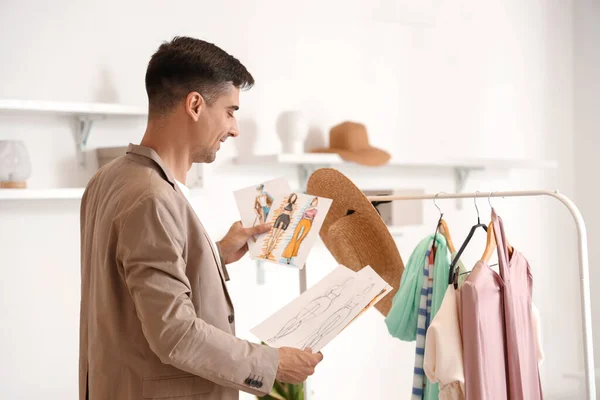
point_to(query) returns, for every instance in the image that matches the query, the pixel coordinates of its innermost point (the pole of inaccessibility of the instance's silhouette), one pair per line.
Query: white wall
(587, 129)
(463, 78)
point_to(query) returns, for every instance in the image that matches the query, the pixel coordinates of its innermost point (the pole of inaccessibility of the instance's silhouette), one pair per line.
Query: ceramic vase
(15, 164)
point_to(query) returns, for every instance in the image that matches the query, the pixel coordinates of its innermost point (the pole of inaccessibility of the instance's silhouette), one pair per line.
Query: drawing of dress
(335, 320)
(313, 309)
(300, 233)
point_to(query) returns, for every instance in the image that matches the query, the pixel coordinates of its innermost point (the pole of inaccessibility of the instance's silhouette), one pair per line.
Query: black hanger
(453, 276)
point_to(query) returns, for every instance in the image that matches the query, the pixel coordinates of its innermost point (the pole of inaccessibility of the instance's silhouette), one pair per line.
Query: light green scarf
(401, 321)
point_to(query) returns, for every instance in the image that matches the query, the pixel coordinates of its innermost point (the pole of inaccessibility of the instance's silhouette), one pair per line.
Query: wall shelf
(309, 162)
(334, 159)
(70, 108)
(41, 194)
(83, 113)
(57, 194)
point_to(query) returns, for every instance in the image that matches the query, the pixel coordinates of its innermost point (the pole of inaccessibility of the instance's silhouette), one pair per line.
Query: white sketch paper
(318, 315)
(255, 203)
(296, 219)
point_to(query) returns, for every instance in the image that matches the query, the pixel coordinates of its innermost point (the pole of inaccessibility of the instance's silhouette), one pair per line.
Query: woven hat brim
(359, 238)
(371, 156)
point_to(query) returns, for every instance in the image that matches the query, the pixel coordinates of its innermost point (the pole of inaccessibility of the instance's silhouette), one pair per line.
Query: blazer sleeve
(150, 248)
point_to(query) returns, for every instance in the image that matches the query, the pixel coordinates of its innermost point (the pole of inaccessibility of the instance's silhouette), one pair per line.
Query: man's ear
(194, 102)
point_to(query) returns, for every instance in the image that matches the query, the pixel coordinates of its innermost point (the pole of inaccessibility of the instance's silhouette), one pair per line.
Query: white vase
(15, 164)
(292, 129)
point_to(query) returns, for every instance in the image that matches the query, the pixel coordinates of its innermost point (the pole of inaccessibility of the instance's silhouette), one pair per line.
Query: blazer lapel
(219, 267)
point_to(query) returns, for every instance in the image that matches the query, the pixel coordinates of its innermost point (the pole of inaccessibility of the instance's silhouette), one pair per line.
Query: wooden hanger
(446, 233)
(490, 245)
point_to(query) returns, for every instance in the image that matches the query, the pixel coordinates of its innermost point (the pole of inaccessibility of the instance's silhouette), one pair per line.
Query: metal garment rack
(584, 277)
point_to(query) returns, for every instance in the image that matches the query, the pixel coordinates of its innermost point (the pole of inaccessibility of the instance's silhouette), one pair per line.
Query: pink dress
(521, 350)
(482, 326)
(500, 348)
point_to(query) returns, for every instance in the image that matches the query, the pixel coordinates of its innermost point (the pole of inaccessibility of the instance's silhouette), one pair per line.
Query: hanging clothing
(538, 334)
(418, 300)
(462, 271)
(482, 327)
(443, 361)
(443, 356)
(521, 353)
(420, 382)
(401, 320)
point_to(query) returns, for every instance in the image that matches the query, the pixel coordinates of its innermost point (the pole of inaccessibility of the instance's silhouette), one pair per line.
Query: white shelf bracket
(304, 172)
(461, 175)
(82, 134)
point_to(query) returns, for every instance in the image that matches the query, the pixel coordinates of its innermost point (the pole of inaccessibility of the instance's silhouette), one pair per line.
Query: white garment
(186, 192)
(262, 200)
(443, 360)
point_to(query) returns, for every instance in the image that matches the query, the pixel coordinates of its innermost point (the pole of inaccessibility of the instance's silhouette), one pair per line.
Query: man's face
(216, 123)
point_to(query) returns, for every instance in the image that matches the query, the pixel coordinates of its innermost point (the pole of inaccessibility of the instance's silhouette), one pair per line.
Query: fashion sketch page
(296, 221)
(318, 315)
(255, 203)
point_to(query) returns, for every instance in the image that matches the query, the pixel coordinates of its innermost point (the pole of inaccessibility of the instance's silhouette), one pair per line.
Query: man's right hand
(296, 365)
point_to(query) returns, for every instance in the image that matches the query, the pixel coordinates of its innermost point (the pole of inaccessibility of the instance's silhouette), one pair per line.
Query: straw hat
(354, 232)
(351, 141)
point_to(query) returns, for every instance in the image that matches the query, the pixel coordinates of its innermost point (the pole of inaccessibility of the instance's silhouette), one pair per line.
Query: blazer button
(231, 319)
(260, 384)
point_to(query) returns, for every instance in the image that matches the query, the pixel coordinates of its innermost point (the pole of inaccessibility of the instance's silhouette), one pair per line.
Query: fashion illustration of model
(281, 224)
(301, 231)
(262, 205)
(335, 319)
(313, 309)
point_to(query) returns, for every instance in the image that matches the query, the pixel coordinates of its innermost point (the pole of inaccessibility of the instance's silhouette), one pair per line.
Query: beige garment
(443, 361)
(443, 349)
(156, 319)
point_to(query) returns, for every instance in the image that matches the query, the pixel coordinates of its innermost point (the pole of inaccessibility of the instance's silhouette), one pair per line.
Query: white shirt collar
(184, 189)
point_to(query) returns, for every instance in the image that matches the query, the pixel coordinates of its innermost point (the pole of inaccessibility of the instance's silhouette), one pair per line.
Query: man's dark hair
(184, 65)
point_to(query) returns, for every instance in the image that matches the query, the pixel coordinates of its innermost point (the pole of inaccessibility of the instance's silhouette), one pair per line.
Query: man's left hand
(235, 243)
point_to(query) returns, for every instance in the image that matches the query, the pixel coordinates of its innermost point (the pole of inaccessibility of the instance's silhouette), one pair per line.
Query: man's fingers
(317, 357)
(259, 229)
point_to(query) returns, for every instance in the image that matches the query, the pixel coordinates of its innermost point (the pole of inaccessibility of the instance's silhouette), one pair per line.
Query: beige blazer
(156, 319)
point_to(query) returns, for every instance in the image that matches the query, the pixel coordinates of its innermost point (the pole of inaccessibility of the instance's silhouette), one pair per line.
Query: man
(156, 317)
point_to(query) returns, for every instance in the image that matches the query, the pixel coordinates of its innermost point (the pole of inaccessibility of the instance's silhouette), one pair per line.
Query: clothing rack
(584, 277)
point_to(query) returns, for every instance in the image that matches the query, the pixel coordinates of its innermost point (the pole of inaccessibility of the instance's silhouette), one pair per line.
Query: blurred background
(509, 88)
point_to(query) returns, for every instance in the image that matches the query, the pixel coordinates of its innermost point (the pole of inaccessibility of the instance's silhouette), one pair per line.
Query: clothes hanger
(490, 244)
(446, 233)
(453, 276)
(437, 226)
(443, 226)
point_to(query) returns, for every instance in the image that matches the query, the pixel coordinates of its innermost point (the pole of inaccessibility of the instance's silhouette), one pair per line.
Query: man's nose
(234, 131)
